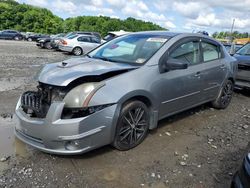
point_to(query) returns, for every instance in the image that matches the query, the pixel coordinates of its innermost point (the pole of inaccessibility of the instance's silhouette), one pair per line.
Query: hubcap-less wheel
(132, 125)
(77, 51)
(16, 38)
(225, 96)
(29, 39)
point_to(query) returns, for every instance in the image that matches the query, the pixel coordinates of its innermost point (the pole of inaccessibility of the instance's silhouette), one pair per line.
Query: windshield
(245, 50)
(135, 48)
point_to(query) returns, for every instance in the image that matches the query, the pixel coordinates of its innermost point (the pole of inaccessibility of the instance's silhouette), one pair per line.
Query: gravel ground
(202, 147)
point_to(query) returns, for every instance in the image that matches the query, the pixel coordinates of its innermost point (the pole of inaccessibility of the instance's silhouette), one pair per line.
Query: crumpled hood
(62, 73)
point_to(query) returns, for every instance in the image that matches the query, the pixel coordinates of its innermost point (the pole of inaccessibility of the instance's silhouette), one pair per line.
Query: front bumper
(65, 136)
(65, 48)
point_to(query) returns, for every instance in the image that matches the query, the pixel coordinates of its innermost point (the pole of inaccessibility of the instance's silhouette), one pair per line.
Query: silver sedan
(79, 44)
(119, 91)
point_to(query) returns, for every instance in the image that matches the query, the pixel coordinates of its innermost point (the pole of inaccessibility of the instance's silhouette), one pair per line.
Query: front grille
(32, 103)
(37, 103)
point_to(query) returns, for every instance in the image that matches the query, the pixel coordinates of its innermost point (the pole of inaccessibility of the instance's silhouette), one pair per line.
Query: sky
(175, 15)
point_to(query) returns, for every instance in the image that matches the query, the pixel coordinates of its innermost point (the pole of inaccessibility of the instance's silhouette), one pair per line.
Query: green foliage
(235, 34)
(25, 18)
(105, 24)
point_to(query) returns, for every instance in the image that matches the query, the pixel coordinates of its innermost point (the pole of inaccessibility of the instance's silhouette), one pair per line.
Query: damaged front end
(37, 103)
(57, 117)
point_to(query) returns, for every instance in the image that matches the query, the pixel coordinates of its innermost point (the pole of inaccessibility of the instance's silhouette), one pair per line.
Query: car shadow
(245, 92)
(164, 122)
(91, 154)
(182, 115)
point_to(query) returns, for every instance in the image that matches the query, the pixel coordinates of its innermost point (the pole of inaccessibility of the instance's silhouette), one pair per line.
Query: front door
(182, 89)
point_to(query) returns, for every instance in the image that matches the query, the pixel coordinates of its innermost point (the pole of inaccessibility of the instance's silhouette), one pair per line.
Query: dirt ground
(202, 147)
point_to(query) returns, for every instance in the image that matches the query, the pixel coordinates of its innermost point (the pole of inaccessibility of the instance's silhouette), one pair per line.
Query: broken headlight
(69, 113)
(80, 96)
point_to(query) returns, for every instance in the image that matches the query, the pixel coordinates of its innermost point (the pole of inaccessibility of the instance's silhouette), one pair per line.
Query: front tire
(225, 96)
(132, 126)
(77, 51)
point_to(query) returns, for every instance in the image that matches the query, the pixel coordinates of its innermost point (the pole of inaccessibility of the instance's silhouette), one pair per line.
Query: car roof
(169, 34)
(162, 33)
(85, 35)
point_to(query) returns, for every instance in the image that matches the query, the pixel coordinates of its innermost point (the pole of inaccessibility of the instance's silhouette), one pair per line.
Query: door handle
(223, 66)
(198, 74)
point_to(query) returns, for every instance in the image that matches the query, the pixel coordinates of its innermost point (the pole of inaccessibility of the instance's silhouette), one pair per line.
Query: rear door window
(84, 39)
(210, 51)
(95, 40)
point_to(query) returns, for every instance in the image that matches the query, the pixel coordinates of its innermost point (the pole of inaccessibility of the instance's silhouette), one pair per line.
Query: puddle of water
(6, 137)
(9, 145)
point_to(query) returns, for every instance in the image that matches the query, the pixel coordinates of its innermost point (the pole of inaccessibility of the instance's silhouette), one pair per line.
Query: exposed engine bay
(36, 103)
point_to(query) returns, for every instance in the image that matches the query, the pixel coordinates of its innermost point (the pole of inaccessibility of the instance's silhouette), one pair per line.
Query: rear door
(215, 68)
(85, 43)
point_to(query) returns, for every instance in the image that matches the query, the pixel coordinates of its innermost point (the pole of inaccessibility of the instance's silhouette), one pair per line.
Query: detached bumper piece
(242, 178)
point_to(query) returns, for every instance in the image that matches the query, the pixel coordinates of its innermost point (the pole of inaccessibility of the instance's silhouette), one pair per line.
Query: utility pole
(232, 28)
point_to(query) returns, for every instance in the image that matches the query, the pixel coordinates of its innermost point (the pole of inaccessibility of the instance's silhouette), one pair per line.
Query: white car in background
(79, 44)
(113, 34)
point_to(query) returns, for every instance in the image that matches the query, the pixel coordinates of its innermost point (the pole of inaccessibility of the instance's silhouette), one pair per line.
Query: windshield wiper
(104, 59)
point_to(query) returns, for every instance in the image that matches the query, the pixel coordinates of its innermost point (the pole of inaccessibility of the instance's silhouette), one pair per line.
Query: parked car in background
(46, 42)
(113, 34)
(79, 44)
(55, 42)
(241, 178)
(96, 34)
(232, 48)
(121, 89)
(36, 37)
(11, 35)
(243, 75)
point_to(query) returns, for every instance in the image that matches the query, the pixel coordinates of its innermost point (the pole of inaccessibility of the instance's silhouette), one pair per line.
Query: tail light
(64, 42)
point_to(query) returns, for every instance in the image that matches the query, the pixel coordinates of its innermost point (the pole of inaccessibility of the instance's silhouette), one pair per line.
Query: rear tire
(225, 96)
(77, 51)
(16, 38)
(29, 39)
(132, 126)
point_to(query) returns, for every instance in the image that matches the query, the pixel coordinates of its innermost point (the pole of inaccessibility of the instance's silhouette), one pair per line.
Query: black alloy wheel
(132, 125)
(225, 96)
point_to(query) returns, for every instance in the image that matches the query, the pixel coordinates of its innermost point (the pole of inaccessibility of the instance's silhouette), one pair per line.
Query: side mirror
(174, 64)
(166, 64)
